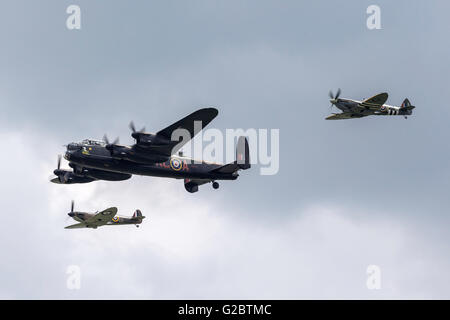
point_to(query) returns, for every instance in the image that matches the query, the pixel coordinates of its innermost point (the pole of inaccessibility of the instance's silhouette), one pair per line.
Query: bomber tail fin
(243, 154)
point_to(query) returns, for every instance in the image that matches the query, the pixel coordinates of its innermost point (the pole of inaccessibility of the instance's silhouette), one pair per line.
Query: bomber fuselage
(100, 158)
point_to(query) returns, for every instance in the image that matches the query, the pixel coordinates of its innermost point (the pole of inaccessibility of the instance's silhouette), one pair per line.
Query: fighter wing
(375, 102)
(76, 226)
(102, 217)
(344, 115)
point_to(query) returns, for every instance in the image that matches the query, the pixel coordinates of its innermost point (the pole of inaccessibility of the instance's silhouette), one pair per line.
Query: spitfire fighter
(151, 155)
(372, 106)
(106, 217)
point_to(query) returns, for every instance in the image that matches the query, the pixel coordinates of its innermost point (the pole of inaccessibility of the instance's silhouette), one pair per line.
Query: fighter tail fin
(138, 214)
(406, 105)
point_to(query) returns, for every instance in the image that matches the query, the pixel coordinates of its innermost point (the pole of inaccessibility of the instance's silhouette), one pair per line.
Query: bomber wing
(162, 144)
(205, 115)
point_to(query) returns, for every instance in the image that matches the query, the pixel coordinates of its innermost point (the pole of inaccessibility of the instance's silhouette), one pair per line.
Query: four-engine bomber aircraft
(104, 218)
(372, 106)
(151, 155)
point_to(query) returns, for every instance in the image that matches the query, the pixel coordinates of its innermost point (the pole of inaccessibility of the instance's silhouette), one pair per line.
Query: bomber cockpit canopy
(92, 142)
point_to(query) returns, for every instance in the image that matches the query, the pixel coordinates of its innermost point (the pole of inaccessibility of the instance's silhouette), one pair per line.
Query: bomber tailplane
(242, 158)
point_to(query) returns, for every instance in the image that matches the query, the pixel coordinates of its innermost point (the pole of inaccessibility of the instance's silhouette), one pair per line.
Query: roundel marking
(115, 219)
(176, 164)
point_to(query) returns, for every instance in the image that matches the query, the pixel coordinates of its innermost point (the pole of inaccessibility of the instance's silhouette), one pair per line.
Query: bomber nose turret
(69, 154)
(73, 146)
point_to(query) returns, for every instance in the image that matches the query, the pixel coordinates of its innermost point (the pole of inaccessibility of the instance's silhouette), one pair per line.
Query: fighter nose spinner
(334, 98)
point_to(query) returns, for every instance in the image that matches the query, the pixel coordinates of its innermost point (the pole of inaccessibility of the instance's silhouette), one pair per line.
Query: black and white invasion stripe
(392, 112)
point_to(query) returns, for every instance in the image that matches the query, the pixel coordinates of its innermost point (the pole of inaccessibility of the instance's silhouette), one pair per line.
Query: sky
(348, 194)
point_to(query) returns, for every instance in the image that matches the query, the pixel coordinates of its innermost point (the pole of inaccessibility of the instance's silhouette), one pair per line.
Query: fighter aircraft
(151, 155)
(372, 106)
(104, 218)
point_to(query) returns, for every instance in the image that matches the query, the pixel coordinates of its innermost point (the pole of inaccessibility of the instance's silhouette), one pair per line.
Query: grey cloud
(271, 63)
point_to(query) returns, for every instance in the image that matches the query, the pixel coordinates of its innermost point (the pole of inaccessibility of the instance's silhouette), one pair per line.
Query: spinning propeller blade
(132, 127)
(338, 93)
(135, 133)
(334, 98)
(63, 176)
(105, 138)
(110, 146)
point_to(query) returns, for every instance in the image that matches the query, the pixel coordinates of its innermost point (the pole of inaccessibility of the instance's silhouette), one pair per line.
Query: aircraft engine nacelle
(191, 186)
(151, 139)
(116, 151)
(68, 177)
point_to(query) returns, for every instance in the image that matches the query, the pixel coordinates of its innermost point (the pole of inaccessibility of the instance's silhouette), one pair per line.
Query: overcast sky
(349, 194)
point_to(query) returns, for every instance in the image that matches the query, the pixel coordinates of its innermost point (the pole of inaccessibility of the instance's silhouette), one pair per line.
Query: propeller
(64, 178)
(59, 162)
(62, 175)
(71, 214)
(135, 133)
(334, 98)
(110, 146)
(105, 138)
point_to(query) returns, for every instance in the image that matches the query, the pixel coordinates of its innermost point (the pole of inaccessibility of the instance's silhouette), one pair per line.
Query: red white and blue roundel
(115, 219)
(176, 164)
(382, 108)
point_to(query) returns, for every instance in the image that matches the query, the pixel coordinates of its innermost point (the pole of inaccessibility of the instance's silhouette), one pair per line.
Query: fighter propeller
(72, 204)
(334, 98)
